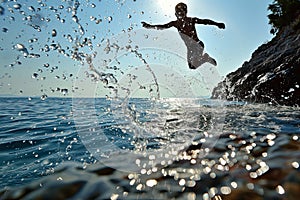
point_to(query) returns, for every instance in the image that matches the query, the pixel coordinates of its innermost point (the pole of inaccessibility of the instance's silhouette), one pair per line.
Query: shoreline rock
(270, 76)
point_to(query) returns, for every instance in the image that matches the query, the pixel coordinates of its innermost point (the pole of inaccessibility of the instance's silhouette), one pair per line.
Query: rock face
(272, 75)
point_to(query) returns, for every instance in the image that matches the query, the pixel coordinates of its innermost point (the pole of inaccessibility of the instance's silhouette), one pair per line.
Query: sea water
(38, 135)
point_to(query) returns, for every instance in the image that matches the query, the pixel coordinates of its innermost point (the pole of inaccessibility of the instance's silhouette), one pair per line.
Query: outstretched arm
(209, 22)
(158, 27)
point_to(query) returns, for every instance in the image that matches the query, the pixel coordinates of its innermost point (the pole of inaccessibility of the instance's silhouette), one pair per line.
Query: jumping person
(186, 28)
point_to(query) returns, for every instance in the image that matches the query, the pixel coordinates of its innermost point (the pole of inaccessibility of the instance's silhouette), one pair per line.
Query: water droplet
(35, 75)
(109, 19)
(20, 47)
(98, 21)
(44, 97)
(93, 18)
(107, 49)
(4, 30)
(64, 91)
(46, 65)
(75, 19)
(31, 8)
(53, 33)
(1, 10)
(32, 55)
(17, 6)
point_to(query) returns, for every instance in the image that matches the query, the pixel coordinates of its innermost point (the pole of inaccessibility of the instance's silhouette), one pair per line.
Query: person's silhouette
(186, 28)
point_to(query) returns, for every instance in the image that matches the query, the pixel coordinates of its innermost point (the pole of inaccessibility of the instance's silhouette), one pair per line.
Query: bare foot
(209, 59)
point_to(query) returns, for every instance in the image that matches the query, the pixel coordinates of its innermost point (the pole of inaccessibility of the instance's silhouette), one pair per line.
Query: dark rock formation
(207, 178)
(271, 76)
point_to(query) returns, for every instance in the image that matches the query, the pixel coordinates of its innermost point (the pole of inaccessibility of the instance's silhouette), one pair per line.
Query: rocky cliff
(272, 75)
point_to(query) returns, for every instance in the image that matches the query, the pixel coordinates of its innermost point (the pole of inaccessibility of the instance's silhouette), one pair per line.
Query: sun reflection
(151, 182)
(280, 189)
(295, 165)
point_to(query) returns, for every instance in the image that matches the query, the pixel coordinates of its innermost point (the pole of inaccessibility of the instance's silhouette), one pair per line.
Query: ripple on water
(257, 153)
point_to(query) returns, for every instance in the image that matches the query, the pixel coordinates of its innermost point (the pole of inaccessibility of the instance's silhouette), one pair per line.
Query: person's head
(181, 10)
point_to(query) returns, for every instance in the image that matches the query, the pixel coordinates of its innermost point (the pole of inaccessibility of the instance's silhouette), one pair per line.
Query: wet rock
(292, 191)
(68, 181)
(243, 194)
(270, 76)
(235, 174)
(102, 171)
(57, 190)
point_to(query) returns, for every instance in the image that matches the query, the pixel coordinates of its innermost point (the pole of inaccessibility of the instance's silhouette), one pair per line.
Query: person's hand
(145, 25)
(221, 25)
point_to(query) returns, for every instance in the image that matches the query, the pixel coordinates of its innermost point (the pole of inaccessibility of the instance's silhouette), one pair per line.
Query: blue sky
(246, 29)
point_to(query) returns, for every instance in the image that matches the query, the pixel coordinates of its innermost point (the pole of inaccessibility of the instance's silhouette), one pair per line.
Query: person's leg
(205, 57)
(190, 59)
(194, 50)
